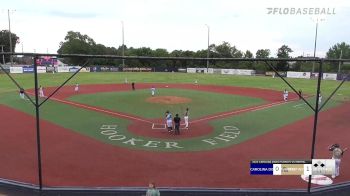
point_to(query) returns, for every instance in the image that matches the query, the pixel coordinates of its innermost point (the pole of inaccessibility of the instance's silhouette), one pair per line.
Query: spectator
(152, 190)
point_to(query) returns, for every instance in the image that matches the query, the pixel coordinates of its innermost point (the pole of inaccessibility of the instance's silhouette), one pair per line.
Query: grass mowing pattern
(134, 102)
(85, 122)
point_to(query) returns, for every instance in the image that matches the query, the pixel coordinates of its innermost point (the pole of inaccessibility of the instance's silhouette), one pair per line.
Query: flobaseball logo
(300, 11)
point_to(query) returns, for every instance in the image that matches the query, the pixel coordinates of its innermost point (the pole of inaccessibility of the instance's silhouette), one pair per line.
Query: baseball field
(108, 135)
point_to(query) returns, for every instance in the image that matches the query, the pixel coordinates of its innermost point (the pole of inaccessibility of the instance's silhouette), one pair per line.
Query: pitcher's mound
(168, 99)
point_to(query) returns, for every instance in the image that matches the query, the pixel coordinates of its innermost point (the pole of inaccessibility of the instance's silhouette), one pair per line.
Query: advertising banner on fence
(201, 70)
(227, 71)
(16, 69)
(41, 69)
(294, 74)
(191, 70)
(343, 76)
(242, 72)
(329, 76)
(50, 69)
(114, 69)
(85, 69)
(273, 74)
(62, 69)
(28, 69)
(74, 68)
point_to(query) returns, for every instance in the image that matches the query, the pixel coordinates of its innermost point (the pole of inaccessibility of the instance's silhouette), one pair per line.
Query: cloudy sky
(177, 24)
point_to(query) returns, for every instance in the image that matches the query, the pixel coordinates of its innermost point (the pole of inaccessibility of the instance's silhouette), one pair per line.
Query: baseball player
(337, 154)
(21, 93)
(186, 118)
(285, 95)
(41, 91)
(319, 99)
(76, 88)
(169, 121)
(133, 86)
(153, 90)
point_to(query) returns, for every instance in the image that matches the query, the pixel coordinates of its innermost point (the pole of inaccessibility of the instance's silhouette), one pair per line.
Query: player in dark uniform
(133, 86)
(177, 120)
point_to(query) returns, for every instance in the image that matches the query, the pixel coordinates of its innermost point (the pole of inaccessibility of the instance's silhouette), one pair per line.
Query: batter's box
(158, 126)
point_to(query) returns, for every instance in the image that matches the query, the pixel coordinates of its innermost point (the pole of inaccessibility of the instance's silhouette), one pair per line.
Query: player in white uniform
(319, 99)
(21, 93)
(169, 121)
(41, 91)
(285, 95)
(76, 88)
(337, 154)
(186, 118)
(153, 90)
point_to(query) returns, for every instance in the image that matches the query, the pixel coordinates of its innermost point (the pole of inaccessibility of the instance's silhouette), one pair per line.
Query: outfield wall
(245, 72)
(242, 72)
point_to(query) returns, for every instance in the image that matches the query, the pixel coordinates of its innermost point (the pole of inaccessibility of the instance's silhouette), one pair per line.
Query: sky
(178, 24)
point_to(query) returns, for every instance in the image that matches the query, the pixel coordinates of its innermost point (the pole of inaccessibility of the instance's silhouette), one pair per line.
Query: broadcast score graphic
(293, 167)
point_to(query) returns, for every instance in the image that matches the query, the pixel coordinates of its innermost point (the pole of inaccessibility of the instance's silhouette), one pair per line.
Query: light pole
(8, 16)
(208, 48)
(3, 56)
(123, 43)
(341, 54)
(313, 64)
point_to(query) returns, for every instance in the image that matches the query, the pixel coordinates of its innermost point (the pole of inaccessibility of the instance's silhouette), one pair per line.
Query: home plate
(318, 179)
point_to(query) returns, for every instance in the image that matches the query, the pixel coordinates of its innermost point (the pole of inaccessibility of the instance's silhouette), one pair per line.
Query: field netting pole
(37, 121)
(315, 120)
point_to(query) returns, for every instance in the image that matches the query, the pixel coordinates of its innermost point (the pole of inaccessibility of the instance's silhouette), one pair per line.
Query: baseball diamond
(106, 128)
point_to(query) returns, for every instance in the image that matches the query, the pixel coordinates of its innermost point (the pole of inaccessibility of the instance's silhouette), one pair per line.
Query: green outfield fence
(269, 63)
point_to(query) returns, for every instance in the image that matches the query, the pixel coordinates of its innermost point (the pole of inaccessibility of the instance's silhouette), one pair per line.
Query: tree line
(77, 43)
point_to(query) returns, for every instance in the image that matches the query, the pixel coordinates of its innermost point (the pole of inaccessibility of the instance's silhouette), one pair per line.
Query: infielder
(153, 90)
(285, 95)
(169, 121)
(337, 154)
(186, 118)
(76, 88)
(41, 91)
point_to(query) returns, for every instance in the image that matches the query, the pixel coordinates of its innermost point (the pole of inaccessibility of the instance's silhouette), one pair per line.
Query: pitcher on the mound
(186, 118)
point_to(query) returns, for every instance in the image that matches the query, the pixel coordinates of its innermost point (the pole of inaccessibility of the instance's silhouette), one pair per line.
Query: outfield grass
(306, 85)
(134, 102)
